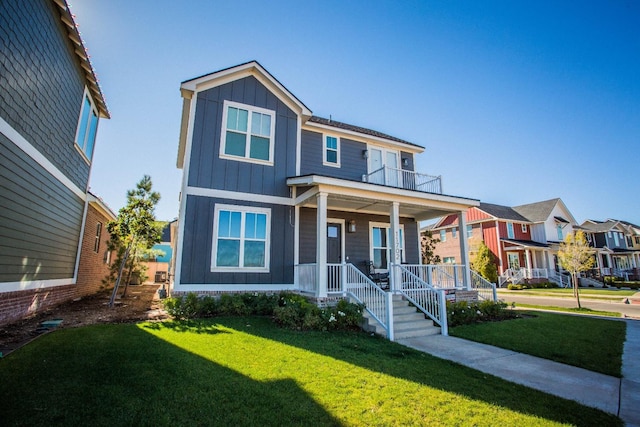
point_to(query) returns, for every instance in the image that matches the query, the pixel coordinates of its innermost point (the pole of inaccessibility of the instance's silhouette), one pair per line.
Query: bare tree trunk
(576, 292)
(122, 264)
(131, 265)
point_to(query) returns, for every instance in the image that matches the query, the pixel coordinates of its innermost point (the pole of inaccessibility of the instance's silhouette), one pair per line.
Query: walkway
(614, 395)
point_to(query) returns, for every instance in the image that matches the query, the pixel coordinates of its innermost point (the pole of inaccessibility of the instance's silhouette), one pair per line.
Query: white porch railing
(429, 300)
(376, 301)
(408, 180)
(441, 276)
(306, 277)
(486, 289)
(334, 278)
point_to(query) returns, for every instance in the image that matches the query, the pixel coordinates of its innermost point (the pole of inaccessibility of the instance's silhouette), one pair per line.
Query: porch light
(365, 154)
(351, 226)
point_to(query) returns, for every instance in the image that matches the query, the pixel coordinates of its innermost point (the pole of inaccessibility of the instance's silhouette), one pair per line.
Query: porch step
(408, 322)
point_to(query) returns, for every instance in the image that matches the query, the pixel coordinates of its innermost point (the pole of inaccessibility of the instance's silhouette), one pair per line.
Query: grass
(593, 344)
(245, 371)
(582, 310)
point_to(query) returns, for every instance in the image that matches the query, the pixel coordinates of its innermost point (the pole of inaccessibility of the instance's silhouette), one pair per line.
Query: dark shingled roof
(598, 226)
(365, 131)
(537, 212)
(502, 212)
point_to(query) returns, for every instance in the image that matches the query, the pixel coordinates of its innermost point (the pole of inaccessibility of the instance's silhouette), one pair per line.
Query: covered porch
(529, 260)
(351, 233)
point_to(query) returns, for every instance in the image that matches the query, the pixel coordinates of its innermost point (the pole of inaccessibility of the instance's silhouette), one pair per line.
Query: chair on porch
(380, 279)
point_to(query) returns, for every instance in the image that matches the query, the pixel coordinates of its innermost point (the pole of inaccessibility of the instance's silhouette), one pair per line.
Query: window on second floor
(616, 240)
(454, 232)
(331, 151)
(443, 235)
(637, 240)
(449, 260)
(559, 231)
(524, 228)
(87, 126)
(510, 232)
(469, 230)
(247, 133)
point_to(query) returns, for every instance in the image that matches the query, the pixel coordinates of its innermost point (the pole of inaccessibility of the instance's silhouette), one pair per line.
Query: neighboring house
(159, 269)
(616, 245)
(95, 256)
(274, 198)
(50, 105)
(524, 239)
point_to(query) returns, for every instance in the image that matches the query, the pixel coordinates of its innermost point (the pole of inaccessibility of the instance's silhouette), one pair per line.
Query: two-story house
(523, 239)
(275, 198)
(50, 105)
(614, 243)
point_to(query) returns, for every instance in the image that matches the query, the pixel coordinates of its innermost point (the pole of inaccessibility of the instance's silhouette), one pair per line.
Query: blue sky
(515, 102)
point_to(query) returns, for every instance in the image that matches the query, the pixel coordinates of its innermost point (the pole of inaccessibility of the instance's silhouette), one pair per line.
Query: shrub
(465, 312)
(289, 310)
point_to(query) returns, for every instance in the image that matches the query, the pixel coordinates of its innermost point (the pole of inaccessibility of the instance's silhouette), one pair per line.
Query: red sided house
(524, 239)
(275, 198)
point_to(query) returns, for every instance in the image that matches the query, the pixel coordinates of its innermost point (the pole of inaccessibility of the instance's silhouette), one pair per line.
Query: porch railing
(486, 289)
(406, 179)
(375, 300)
(334, 278)
(442, 276)
(307, 277)
(429, 300)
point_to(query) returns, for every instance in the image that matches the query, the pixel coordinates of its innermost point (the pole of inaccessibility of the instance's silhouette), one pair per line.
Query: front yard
(246, 371)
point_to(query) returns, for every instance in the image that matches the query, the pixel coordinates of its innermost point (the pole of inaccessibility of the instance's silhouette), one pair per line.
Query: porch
(521, 275)
(426, 287)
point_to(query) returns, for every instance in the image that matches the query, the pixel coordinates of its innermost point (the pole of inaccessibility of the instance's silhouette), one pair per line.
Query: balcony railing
(408, 180)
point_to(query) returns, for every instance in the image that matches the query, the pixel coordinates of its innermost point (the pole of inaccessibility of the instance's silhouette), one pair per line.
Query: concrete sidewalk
(610, 394)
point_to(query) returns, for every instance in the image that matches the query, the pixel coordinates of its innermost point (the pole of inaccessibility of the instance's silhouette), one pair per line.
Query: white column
(394, 235)
(464, 249)
(527, 254)
(321, 245)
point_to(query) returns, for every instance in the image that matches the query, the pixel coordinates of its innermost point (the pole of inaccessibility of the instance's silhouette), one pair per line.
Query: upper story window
(454, 232)
(87, 126)
(443, 235)
(247, 133)
(241, 239)
(559, 231)
(331, 151)
(616, 240)
(524, 228)
(510, 232)
(469, 230)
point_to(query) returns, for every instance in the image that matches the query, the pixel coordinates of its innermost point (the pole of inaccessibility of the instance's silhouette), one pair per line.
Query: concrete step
(422, 330)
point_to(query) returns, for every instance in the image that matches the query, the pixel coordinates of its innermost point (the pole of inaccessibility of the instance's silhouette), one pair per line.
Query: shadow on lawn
(380, 355)
(122, 375)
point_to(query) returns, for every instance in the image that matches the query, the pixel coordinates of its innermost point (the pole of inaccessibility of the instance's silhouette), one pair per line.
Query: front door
(334, 243)
(514, 260)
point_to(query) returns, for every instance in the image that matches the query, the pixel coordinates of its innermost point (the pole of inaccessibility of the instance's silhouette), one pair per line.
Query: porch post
(396, 259)
(321, 245)
(464, 250)
(527, 253)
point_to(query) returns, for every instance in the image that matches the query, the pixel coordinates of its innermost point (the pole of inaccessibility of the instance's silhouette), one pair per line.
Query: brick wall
(20, 304)
(92, 268)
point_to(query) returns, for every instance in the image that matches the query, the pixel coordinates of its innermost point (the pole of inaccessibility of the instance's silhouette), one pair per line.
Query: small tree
(135, 227)
(428, 244)
(484, 263)
(575, 256)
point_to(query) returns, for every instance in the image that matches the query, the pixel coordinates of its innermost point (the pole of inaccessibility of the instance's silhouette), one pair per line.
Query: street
(615, 305)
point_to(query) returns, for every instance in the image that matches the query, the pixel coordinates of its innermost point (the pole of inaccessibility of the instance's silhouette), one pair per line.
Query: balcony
(405, 179)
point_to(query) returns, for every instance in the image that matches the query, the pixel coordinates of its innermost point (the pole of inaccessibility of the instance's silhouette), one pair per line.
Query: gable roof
(537, 212)
(599, 226)
(502, 212)
(66, 17)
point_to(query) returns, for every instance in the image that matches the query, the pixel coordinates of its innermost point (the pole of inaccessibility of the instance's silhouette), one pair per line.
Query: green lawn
(592, 293)
(245, 371)
(582, 310)
(593, 344)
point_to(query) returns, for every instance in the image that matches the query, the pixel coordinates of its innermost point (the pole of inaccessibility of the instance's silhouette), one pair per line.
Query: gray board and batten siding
(356, 244)
(198, 241)
(40, 220)
(240, 176)
(42, 83)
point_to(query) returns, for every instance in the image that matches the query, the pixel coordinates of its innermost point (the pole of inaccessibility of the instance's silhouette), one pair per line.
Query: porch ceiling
(345, 195)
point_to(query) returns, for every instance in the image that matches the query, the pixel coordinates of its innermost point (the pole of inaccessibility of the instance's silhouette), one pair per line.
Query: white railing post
(444, 327)
(343, 278)
(390, 334)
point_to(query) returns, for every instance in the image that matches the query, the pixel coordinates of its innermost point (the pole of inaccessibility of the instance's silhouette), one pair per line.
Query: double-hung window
(559, 231)
(331, 151)
(381, 245)
(510, 232)
(241, 239)
(87, 126)
(96, 243)
(247, 133)
(443, 235)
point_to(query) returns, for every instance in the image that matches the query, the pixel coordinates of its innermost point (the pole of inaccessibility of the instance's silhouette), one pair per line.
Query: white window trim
(524, 228)
(454, 232)
(223, 133)
(403, 251)
(214, 248)
(469, 231)
(324, 151)
(81, 148)
(511, 233)
(443, 236)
